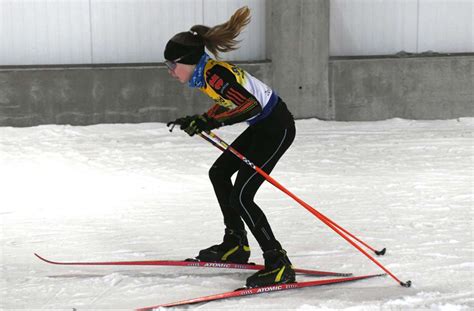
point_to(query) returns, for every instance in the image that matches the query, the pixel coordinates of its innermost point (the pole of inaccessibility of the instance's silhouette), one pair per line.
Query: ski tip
(43, 259)
(381, 252)
(406, 284)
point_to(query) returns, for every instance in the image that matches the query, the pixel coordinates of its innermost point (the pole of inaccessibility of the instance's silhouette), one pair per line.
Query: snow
(137, 192)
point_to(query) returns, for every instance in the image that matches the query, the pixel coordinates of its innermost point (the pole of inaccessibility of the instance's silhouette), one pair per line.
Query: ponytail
(221, 38)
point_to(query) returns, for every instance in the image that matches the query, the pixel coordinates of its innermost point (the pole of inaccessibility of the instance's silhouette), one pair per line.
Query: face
(182, 72)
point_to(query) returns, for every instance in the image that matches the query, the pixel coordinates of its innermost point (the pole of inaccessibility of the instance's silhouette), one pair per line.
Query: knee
(217, 174)
(214, 173)
(241, 199)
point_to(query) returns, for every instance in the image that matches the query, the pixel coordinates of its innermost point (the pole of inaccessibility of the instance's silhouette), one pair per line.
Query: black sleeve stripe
(232, 91)
(218, 76)
(234, 100)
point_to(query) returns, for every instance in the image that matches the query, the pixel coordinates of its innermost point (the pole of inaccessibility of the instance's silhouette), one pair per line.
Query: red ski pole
(224, 146)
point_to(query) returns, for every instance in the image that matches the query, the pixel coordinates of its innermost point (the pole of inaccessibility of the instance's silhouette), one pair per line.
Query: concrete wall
(411, 88)
(299, 69)
(361, 89)
(298, 45)
(90, 95)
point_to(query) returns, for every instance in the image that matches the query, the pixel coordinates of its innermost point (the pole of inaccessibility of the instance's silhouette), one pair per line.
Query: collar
(197, 79)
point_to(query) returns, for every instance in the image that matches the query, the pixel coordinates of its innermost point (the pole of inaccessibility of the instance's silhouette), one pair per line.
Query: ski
(259, 290)
(186, 263)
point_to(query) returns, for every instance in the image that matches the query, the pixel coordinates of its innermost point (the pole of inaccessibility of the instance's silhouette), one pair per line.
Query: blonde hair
(221, 38)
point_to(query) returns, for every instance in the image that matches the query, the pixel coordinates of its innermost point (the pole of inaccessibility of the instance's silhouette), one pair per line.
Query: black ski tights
(263, 144)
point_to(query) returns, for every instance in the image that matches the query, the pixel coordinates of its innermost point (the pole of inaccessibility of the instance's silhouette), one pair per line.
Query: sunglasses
(171, 64)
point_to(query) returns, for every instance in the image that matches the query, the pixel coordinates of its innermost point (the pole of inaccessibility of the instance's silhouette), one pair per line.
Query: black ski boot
(235, 248)
(278, 270)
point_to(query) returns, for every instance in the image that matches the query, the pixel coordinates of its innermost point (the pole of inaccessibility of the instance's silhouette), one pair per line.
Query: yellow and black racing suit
(241, 97)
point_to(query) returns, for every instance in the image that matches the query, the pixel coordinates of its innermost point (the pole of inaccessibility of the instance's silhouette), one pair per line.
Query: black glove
(200, 123)
(182, 122)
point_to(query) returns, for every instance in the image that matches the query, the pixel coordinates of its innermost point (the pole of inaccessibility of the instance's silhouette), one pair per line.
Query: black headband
(190, 53)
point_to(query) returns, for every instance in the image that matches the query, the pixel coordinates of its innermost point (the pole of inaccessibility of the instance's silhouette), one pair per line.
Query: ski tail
(260, 290)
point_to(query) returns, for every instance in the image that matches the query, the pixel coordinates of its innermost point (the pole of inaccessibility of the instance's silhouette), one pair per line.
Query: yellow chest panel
(207, 89)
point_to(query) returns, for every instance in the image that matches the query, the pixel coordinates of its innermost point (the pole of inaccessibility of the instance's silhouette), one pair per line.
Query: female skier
(238, 97)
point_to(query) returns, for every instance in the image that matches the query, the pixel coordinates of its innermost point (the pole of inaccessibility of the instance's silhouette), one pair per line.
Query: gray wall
(299, 69)
(360, 89)
(90, 95)
(411, 88)
(298, 46)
